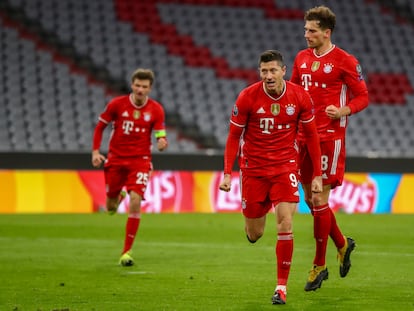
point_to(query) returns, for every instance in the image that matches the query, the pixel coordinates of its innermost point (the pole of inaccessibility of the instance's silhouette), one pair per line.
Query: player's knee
(254, 235)
(111, 203)
(134, 202)
(250, 240)
(285, 224)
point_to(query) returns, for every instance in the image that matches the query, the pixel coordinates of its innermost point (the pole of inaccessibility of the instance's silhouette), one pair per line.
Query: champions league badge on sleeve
(235, 110)
(359, 72)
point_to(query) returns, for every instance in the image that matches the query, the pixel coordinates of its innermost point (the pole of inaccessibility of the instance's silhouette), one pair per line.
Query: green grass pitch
(196, 262)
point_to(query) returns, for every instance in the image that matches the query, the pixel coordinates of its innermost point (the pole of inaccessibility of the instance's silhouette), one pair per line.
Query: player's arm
(107, 116)
(295, 78)
(97, 157)
(160, 132)
(230, 154)
(311, 136)
(162, 142)
(354, 80)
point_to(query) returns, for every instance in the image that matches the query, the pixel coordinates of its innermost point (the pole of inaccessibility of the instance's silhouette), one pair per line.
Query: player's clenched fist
(225, 185)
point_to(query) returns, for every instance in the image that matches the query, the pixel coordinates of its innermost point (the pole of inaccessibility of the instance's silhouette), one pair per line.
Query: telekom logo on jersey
(266, 124)
(128, 127)
(307, 82)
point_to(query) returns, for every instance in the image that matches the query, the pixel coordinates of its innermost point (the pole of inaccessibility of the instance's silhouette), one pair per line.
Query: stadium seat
(203, 54)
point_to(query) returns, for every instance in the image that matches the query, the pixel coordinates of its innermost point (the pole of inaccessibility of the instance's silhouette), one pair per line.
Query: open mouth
(270, 84)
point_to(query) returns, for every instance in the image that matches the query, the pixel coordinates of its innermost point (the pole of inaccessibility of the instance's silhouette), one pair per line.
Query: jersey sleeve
(312, 141)
(239, 113)
(354, 79)
(97, 135)
(307, 112)
(295, 78)
(104, 119)
(159, 124)
(108, 114)
(232, 147)
(238, 121)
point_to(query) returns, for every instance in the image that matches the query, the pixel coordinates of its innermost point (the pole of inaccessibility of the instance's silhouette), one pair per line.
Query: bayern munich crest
(327, 68)
(290, 109)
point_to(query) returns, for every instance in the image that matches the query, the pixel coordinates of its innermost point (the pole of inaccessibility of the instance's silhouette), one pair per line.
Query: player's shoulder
(304, 53)
(252, 89)
(344, 55)
(297, 91)
(339, 51)
(294, 88)
(154, 103)
(117, 103)
(119, 99)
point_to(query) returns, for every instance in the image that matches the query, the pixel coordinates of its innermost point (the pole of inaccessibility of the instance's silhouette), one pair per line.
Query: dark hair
(325, 17)
(143, 74)
(271, 55)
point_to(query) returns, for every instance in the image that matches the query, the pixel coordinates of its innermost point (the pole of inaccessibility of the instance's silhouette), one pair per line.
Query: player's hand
(225, 185)
(97, 158)
(316, 185)
(333, 112)
(162, 144)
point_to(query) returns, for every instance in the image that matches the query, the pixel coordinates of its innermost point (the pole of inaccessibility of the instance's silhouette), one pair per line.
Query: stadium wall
(66, 183)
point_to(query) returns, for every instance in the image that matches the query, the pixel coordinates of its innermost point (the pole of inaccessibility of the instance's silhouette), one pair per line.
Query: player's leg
(255, 205)
(112, 204)
(114, 181)
(131, 228)
(321, 219)
(335, 170)
(321, 228)
(284, 248)
(344, 245)
(136, 184)
(254, 228)
(284, 195)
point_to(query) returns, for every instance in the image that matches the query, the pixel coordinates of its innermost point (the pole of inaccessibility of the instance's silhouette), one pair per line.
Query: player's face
(272, 75)
(314, 35)
(141, 90)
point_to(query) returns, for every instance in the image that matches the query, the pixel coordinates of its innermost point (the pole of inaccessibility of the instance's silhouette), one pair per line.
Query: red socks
(284, 252)
(132, 226)
(335, 233)
(321, 230)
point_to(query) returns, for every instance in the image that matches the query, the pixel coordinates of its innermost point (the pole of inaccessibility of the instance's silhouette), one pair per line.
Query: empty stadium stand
(61, 61)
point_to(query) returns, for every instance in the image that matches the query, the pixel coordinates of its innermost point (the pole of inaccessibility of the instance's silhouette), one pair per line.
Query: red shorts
(259, 194)
(133, 173)
(332, 159)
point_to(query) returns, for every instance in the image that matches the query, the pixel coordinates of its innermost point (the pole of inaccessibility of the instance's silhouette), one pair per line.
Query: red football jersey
(267, 145)
(331, 79)
(132, 126)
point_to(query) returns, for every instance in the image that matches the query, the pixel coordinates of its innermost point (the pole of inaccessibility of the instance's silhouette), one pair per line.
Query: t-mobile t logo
(266, 124)
(127, 126)
(306, 81)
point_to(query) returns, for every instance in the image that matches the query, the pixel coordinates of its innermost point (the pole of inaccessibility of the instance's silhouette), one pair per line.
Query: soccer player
(262, 133)
(330, 75)
(134, 117)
